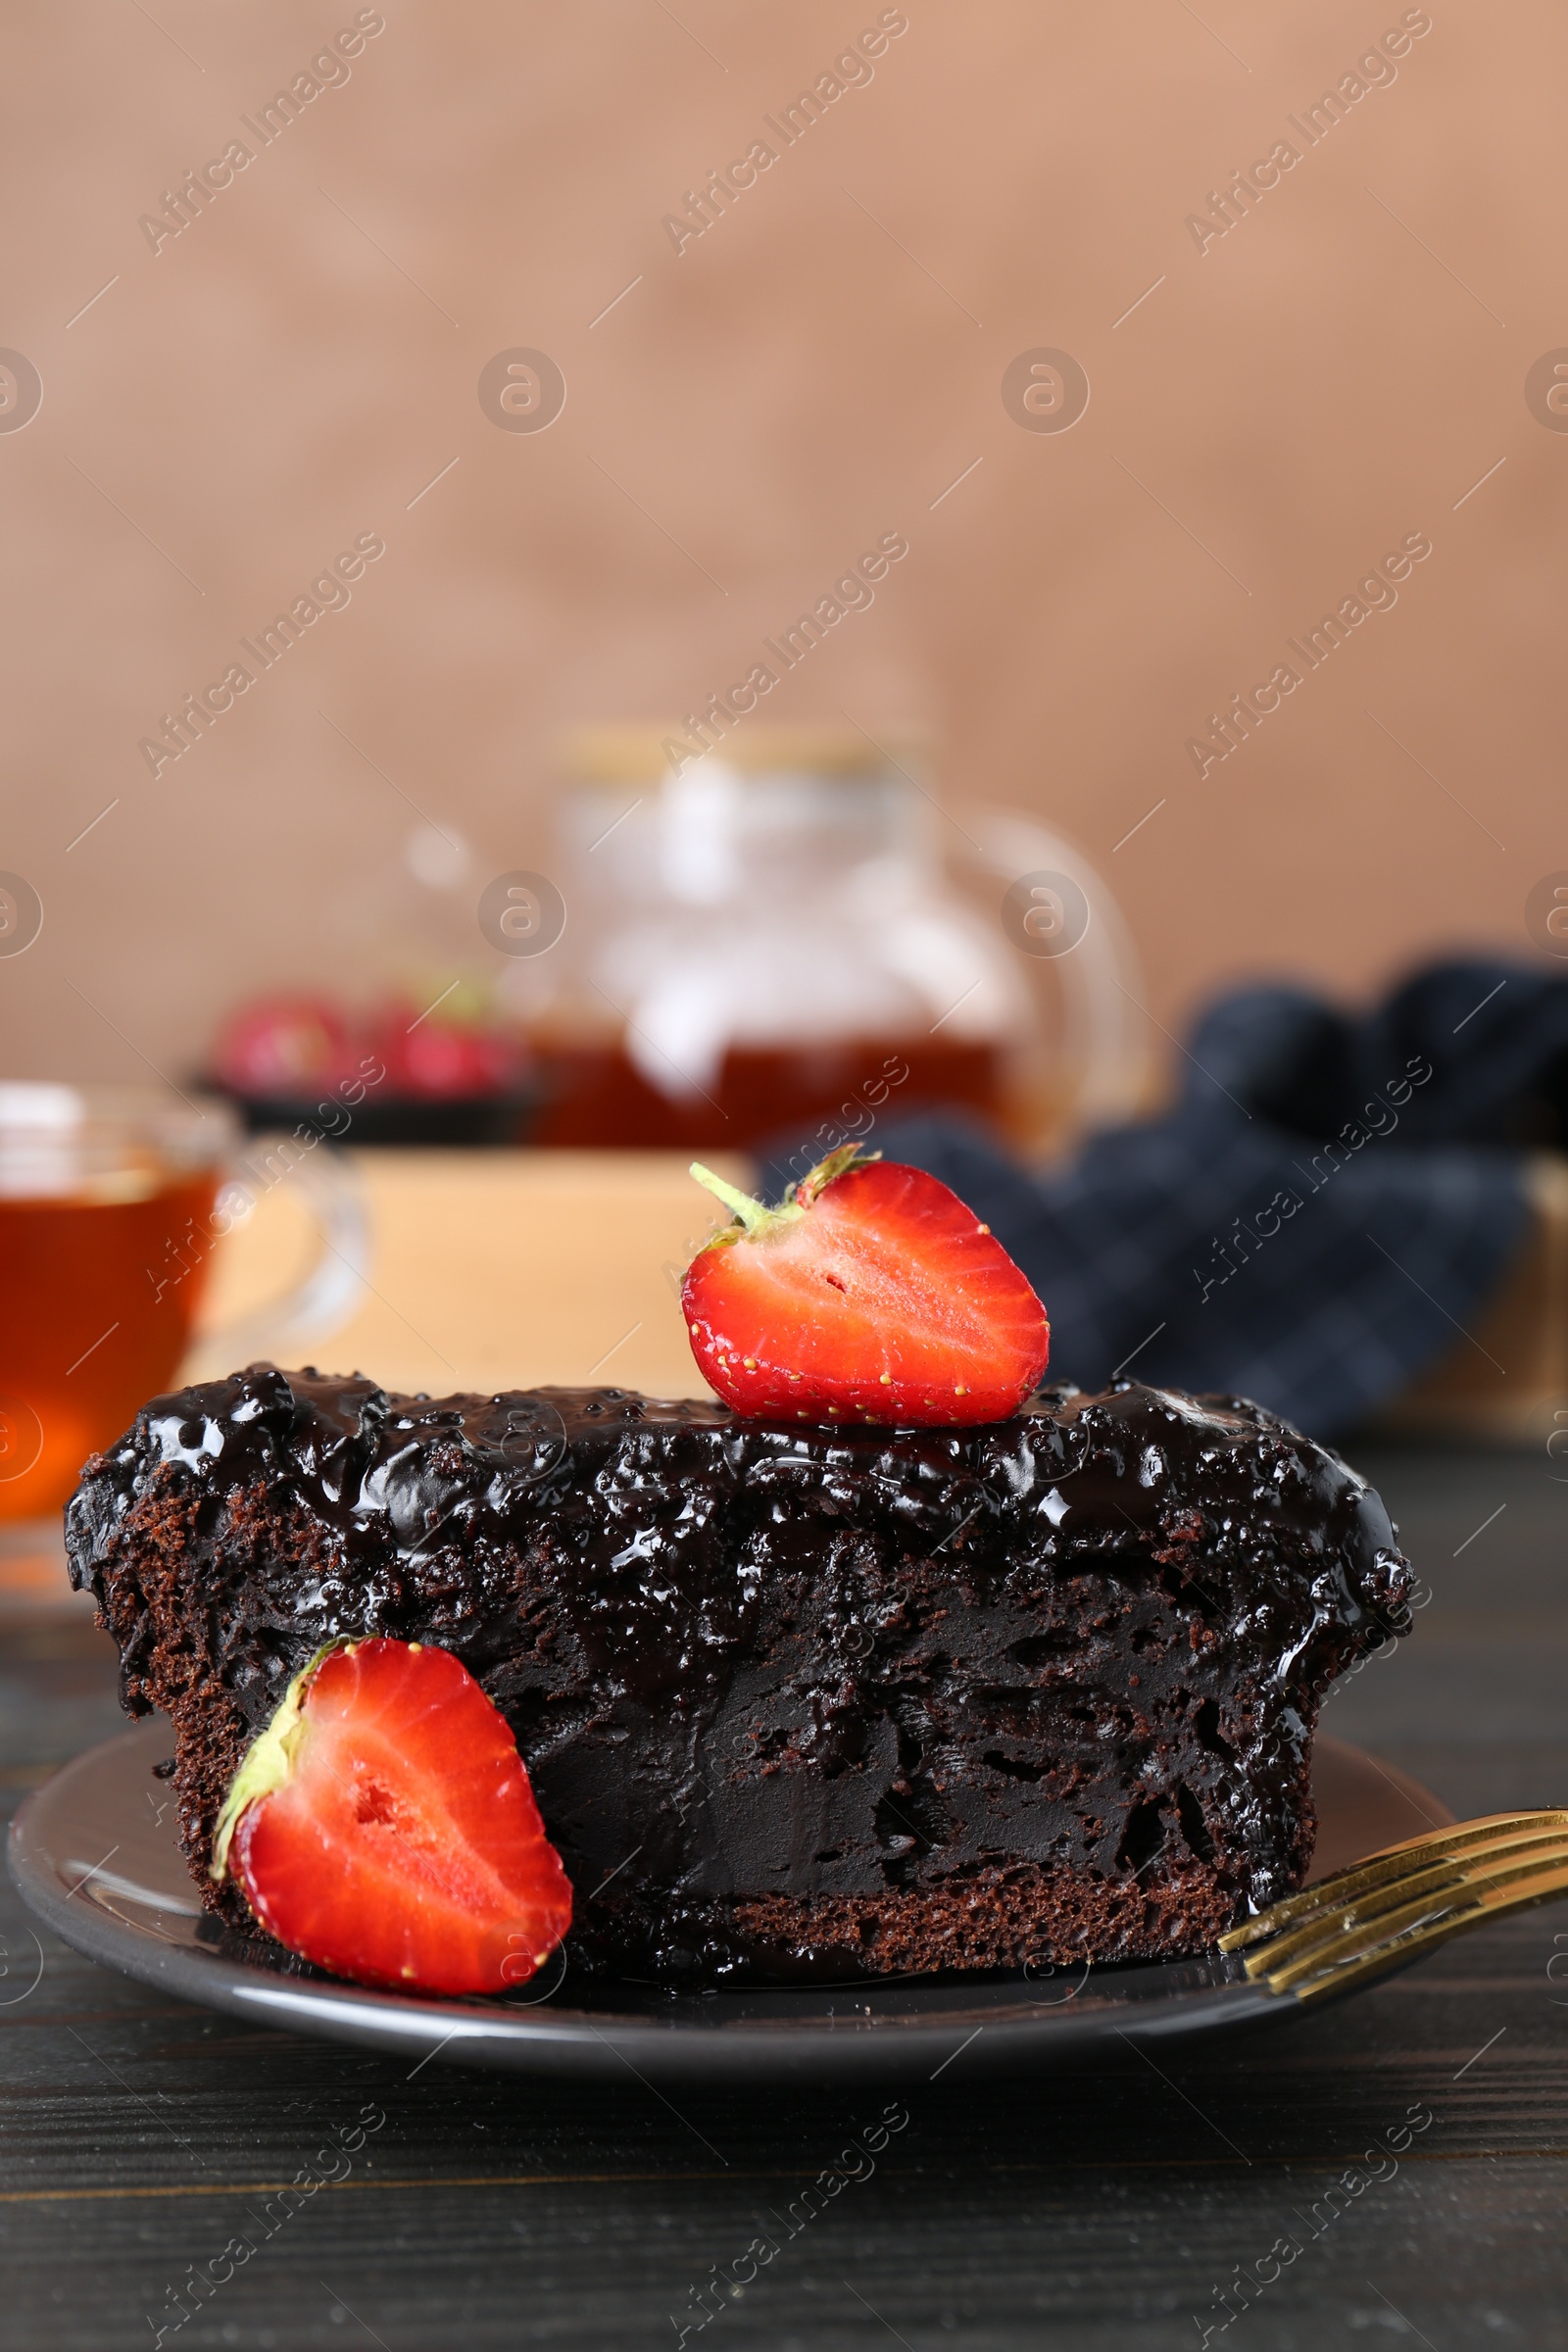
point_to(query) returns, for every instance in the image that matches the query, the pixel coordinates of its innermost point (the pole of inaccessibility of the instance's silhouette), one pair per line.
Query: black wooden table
(1100, 2209)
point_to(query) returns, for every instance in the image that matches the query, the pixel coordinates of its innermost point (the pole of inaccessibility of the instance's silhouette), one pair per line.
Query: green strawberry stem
(759, 1221)
(270, 1759)
(752, 1214)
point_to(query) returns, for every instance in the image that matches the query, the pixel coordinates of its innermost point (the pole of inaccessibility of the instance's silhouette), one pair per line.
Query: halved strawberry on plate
(383, 1827)
(870, 1293)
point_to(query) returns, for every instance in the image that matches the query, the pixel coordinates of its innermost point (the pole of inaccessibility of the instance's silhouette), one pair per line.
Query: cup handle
(1105, 1042)
(325, 1297)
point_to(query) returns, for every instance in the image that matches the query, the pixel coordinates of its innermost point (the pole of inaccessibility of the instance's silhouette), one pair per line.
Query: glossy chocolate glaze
(756, 1668)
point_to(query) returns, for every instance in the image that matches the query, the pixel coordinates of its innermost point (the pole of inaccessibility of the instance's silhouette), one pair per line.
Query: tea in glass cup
(110, 1209)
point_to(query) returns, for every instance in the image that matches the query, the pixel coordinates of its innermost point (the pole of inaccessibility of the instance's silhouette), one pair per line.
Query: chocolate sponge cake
(794, 1700)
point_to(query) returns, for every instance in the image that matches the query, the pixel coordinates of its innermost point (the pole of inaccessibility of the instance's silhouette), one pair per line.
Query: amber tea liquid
(597, 1097)
(98, 1290)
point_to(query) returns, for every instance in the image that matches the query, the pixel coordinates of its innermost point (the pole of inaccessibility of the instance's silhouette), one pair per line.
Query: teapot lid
(638, 755)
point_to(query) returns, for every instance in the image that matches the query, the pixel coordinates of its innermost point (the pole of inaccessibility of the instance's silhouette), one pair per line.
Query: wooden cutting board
(493, 1269)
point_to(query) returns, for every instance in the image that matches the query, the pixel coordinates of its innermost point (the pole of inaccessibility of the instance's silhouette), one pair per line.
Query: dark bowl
(482, 1121)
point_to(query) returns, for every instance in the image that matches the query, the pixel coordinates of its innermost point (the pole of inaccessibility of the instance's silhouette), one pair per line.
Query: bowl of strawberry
(447, 1074)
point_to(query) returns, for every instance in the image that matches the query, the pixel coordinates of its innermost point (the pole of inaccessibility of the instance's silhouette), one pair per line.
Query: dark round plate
(93, 1853)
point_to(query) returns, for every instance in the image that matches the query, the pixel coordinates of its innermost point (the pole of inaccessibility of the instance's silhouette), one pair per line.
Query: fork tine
(1390, 1862)
(1340, 1958)
(1413, 1946)
(1331, 1920)
(1347, 1937)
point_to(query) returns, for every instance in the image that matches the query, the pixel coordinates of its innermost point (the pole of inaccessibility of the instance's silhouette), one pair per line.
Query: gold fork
(1403, 1900)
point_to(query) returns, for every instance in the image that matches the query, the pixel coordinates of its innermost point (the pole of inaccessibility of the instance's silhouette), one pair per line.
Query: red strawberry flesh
(873, 1295)
(383, 1827)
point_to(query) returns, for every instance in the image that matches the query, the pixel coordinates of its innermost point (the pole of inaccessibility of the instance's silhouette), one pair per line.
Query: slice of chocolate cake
(793, 1701)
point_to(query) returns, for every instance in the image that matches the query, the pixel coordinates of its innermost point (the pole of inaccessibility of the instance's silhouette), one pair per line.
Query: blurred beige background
(297, 366)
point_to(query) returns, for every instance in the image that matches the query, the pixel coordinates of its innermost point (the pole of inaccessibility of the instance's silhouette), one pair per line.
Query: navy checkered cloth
(1323, 1214)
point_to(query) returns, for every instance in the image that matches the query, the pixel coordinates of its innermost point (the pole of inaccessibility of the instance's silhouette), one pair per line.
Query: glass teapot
(787, 934)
